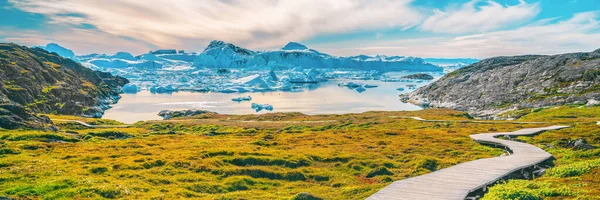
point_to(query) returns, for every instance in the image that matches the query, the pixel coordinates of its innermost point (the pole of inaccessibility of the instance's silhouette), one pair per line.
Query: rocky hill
(494, 85)
(36, 81)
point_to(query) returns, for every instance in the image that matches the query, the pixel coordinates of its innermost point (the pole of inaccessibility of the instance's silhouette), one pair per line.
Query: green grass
(275, 156)
(527, 190)
(281, 156)
(574, 169)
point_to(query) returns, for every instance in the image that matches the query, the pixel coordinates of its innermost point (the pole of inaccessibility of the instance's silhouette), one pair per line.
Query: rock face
(168, 114)
(498, 84)
(36, 81)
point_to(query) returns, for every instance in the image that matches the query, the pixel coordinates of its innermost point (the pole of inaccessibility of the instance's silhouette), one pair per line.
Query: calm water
(327, 98)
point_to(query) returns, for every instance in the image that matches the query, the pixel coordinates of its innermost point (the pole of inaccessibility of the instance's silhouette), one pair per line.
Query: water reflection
(325, 98)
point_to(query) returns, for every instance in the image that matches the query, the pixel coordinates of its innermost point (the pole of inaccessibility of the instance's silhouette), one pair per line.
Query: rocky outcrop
(168, 114)
(36, 81)
(494, 85)
(419, 76)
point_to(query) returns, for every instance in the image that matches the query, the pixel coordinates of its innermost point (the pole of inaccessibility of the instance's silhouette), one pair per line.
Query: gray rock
(580, 144)
(494, 85)
(592, 102)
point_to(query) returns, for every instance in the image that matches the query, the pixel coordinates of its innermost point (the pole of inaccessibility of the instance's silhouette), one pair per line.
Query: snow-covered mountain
(224, 67)
(61, 51)
(220, 54)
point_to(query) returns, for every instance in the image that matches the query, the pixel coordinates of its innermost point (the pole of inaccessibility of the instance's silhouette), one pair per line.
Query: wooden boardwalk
(458, 181)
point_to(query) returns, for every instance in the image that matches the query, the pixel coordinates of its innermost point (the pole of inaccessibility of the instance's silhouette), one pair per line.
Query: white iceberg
(131, 88)
(240, 99)
(259, 107)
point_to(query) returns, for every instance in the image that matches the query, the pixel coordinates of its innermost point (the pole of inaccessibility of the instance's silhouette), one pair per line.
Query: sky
(424, 28)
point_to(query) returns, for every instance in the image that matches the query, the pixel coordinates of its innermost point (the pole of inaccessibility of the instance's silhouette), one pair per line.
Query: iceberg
(259, 107)
(161, 89)
(123, 55)
(360, 89)
(240, 99)
(400, 89)
(350, 85)
(131, 88)
(370, 86)
(220, 54)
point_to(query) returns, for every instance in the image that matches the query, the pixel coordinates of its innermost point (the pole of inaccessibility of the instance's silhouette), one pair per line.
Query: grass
(271, 156)
(280, 156)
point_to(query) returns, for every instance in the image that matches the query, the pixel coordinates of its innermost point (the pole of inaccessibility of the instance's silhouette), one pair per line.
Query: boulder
(579, 144)
(592, 102)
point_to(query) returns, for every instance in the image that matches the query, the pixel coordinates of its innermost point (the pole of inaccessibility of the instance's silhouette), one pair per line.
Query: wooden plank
(458, 181)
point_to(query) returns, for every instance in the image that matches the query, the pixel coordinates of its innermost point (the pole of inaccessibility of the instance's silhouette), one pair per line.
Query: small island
(420, 76)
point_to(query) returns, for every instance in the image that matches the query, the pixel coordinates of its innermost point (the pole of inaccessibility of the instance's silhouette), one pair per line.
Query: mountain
(220, 54)
(60, 50)
(494, 85)
(294, 46)
(37, 81)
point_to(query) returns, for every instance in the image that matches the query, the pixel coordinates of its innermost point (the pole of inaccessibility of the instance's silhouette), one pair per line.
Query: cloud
(479, 16)
(576, 34)
(81, 41)
(254, 24)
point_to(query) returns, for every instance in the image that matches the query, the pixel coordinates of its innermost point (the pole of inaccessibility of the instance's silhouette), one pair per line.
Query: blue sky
(425, 28)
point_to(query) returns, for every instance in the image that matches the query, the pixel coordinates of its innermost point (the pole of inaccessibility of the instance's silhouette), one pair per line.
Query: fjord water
(321, 98)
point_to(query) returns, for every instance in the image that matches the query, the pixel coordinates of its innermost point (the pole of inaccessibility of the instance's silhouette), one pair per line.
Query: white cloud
(578, 34)
(81, 41)
(254, 24)
(478, 16)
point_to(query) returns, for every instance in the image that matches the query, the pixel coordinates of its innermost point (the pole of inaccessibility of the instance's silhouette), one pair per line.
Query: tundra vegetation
(280, 156)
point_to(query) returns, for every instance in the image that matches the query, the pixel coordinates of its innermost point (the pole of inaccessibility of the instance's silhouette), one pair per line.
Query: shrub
(574, 169)
(111, 134)
(98, 170)
(525, 189)
(378, 172)
(6, 150)
(250, 161)
(305, 196)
